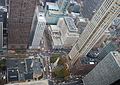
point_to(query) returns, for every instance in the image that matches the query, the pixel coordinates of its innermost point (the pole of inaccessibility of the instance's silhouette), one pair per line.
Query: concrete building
(64, 34)
(116, 22)
(1, 31)
(37, 70)
(89, 7)
(106, 72)
(69, 32)
(19, 23)
(82, 69)
(112, 46)
(52, 13)
(54, 32)
(81, 23)
(3, 20)
(24, 69)
(12, 74)
(63, 5)
(51, 0)
(101, 41)
(95, 29)
(37, 29)
(1, 36)
(74, 7)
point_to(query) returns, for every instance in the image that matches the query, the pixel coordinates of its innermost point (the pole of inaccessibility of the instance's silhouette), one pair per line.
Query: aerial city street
(59, 42)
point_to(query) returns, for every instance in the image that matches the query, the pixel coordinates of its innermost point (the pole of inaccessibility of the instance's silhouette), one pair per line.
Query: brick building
(19, 23)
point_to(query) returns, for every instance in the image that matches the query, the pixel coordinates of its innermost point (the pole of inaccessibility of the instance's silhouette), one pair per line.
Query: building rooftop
(1, 17)
(29, 65)
(116, 22)
(28, 76)
(54, 28)
(90, 7)
(81, 19)
(71, 25)
(2, 2)
(25, 68)
(116, 57)
(56, 41)
(52, 6)
(54, 12)
(37, 67)
(13, 74)
(40, 15)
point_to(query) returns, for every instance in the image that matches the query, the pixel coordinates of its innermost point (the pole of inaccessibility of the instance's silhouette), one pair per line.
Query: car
(44, 69)
(50, 68)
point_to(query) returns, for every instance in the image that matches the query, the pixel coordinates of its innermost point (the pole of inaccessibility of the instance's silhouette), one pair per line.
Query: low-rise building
(64, 34)
(54, 32)
(52, 13)
(69, 32)
(27, 69)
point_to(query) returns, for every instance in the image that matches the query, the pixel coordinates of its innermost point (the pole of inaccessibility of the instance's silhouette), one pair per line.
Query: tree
(54, 57)
(59, 72)
(2, 65)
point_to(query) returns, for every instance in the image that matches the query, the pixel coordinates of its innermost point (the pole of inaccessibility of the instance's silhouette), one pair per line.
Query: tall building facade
(1, 35)
(19, 24)
(95, 29)
(89, 7)
(106, 72)
(37, 29)
(112, 46)
(3, 15)
(81, 23)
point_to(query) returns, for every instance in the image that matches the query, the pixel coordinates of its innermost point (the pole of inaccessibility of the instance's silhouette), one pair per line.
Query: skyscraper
(3, 15)
(112, 46)
(90, 7)
(94, 30)
(1, 35)
(81, 23)
(106, 71)
(19, 24)
(38, 27)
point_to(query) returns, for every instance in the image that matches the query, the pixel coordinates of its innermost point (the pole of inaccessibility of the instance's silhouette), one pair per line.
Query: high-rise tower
(94, 30)
(37, 29)
(106, 71)
(90, 7)
(20, 20)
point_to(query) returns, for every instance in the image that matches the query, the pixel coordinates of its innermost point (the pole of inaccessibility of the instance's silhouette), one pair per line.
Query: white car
(44, 69)
(50, 68)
